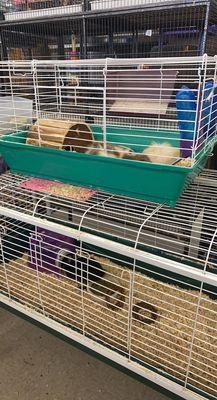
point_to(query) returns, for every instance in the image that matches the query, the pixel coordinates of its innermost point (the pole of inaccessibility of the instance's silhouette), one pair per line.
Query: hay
(165, 343)
(185, 162)
(58, 189)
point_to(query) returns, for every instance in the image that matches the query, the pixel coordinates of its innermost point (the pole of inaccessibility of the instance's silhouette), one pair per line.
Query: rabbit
(112, 150)
(81, 269)
(162, 153)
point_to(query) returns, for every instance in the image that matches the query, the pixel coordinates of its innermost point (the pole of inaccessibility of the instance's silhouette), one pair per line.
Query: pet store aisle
(37, 366)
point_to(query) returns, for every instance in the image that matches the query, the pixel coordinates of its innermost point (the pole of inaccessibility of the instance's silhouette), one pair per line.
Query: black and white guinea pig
(81, 269)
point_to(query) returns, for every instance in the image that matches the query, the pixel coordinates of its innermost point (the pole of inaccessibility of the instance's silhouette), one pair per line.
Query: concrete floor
(37, 366)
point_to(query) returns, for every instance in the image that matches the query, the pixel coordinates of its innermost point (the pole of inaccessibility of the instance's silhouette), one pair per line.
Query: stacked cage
(137, 127)
(112, 28)
(108, 226)
(131, 279)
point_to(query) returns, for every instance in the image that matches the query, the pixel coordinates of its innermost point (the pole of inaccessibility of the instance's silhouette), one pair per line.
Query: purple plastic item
(45, 248)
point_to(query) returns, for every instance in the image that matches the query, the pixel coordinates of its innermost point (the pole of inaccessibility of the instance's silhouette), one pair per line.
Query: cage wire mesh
(98, 29)
(185, 234)
(158, 318)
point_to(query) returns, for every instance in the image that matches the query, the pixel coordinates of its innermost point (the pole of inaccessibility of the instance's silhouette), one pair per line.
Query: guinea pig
(137, 157)
(112, 150)
(97, 149)
(162, 153)
(112, 294)
(81, 269)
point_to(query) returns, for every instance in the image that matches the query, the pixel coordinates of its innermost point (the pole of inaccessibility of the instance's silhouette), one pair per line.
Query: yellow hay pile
(165, 343)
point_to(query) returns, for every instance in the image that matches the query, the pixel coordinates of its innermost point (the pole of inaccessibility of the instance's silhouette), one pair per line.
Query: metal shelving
(144, 29)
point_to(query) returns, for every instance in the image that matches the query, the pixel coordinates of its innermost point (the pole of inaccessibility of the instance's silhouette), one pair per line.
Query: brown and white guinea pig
(112, 150)
(137, 157)
(162, 153)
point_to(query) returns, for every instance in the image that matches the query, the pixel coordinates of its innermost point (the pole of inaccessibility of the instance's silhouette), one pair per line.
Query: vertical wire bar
(37, 98)
(61, 84)
(104, 106)
(132, 279)
(196, 121)
(205, 29)
(199, 121)
(211, 114)
(82, 288)
(196, 214)
(84, 34)
(160, 97)
(4, 264)
(197, 312)
(12, 96)
(57, 84)
(38, 260)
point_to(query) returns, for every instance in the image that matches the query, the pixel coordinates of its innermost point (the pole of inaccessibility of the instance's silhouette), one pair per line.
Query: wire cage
(6, 6)
(44, 41)
(35, 8)
(140, 127)
(61, 264)
(158, 32)
(131, 29)
(185, 234)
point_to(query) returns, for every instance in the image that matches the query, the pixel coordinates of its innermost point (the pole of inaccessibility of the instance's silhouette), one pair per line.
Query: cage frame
(157, 121)
(87, 17)
(87, 343)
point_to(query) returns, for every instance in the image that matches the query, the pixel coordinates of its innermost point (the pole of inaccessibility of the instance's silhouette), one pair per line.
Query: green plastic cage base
(141, 180)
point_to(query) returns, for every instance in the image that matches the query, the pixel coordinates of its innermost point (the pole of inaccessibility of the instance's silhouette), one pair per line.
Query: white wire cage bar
(29, 9)
(25, 9)
(130, 311)
(134, 107)
(108, 4)
(185, 235)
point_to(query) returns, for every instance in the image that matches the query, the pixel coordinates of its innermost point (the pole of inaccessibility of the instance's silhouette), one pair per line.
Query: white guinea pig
(162, 153)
